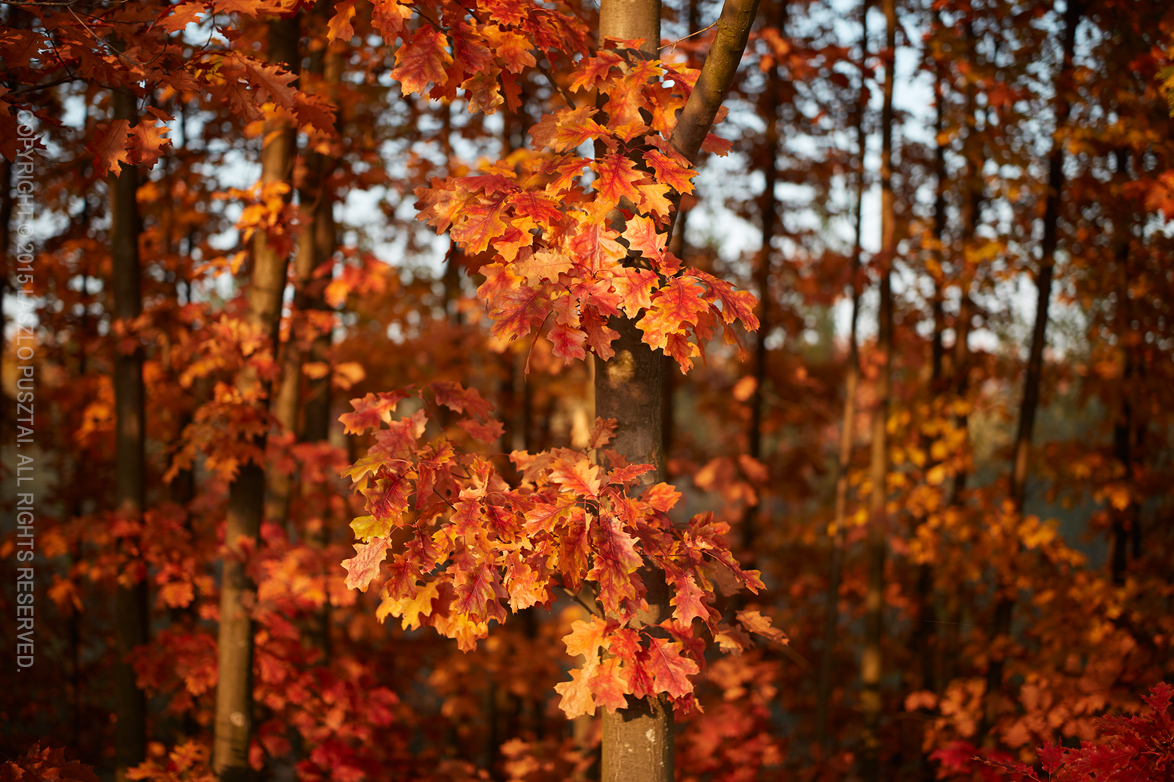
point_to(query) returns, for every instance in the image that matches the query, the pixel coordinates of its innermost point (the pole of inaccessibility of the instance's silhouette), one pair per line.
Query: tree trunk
(875, 547)
(637, 741)
(1031, 383)
(130, 734)
(322, 240)
(769, 213)
(234, 687)
(831, 617)
(1127, 520)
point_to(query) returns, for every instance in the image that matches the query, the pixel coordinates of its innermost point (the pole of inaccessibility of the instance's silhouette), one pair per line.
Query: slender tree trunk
(925, 621)
(831, 616)
(637, 742)
(1031, 385)
(130, 735)
(925, 615)
(769, 213)
(1127, 520)
(876, 544)
(323, 240)
(234, 687)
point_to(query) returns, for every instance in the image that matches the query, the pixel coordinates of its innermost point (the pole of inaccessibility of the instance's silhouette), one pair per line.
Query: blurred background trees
(947, 448)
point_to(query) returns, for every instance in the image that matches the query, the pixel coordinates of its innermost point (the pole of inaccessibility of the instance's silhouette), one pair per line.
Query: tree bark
(130, 734)
(1127, 520)
(637, 741)
(876, 544)
(246, 500)
(1029, 404)
(831, 617)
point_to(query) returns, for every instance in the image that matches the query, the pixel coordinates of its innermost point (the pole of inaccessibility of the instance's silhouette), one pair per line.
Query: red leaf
(608, 683)
(421, 60)
(371, 411)
(488, 433)
(108, 146)
(180, 16)
(676, 305)
(566, 129)
(661, 496)
(617, 179)
(670, 671)
(388, 17)
(578, 476)
(567, 342)
(634, 289)
(459, 399)
(670, 171)
(615, 560)
(689, 600)
(479, 225)
(515, 308)
(586, 638)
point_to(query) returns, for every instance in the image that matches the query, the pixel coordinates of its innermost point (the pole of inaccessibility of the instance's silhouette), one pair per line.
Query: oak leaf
(670, 671)
(421, 60)
(108, 146)
(608, 684)
(364, 566)
(617, 179)
(577, 698)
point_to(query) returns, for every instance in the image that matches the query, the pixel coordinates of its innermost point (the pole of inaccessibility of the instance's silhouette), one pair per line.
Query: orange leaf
(364, 566)
(339, 25)
(618, 177)
(586, 638)
(576, 694)
(758, 624)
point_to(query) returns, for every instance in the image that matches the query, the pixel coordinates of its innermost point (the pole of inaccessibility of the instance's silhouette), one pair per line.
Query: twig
(673, 45)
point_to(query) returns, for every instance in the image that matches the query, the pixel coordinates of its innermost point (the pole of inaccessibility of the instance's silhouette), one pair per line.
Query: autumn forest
(561, 390)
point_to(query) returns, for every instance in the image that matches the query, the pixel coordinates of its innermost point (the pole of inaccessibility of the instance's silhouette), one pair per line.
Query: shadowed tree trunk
(831, 617)
(130, 733)
(876, 544)
(1126, 520)
(315, 247)
(321, 242)
(246, 499)
(769, 212)
(1005, 603)
(925, 620)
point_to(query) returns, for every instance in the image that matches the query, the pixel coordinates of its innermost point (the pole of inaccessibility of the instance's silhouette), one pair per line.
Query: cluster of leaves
(478, 49)
(548, 226)
(465, 544)
(1126, 749)
(43, 762)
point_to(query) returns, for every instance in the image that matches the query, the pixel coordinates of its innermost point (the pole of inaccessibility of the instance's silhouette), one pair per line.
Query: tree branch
(733, 31)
